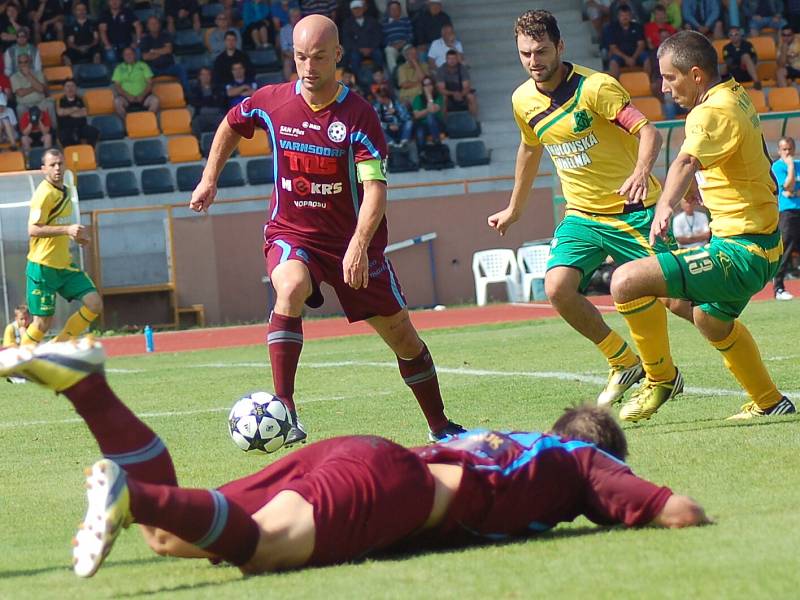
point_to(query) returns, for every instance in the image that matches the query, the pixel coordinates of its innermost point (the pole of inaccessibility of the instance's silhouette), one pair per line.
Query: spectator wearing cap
(35, 126)
(397, 33)
(287, 42)
(437, 53)
(454, 84)
(362, 37)
(157, 52)
(428, 25)
(182, 14)
(22, 47)
(216, 39)
(119, 29)
(29, 87)
(83, 38)
(73, 127)
(133, 85)
(257, 22)
(410, 75)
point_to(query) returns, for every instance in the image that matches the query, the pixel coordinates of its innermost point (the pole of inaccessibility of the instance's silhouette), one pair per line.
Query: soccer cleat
(620, 380)
(752, 411)
(16, 380)
(108, 512)
(297, 434)
(56, 366)
(649, 397)
(783, 295)
(446, 432)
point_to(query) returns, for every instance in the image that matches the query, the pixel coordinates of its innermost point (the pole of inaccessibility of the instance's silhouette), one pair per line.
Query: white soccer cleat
(56, 366)
(108, 512)
(620, 380)
(783, 295)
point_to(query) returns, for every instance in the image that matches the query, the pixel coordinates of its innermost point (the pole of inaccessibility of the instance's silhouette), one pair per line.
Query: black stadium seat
(157, 180)
(188, 41)
(264, 59)
(35, 158)
(188, 177)
(206, 122)
(111, 127)
(260, 171)
(149, 152)
(112, 155)
(472, 153)
(89, 186)
(263, 79)
(121, 183)
(209, 12)
(231, 175)
(461, 125)
(194, 62)
(92, 75)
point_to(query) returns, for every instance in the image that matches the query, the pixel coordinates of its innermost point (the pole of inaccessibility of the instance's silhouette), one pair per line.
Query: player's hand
(661, 223)
(635, 187)
(78, 233)
(502, 220)
(355, 266)
(203, 196)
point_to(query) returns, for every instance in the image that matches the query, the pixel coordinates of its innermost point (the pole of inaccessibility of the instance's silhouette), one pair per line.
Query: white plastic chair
(495, 266)
(532, 261)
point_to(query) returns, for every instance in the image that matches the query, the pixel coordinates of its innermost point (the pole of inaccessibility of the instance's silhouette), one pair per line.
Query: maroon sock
(420, 375)
(121, 435)
(204, 518)
(285, 343)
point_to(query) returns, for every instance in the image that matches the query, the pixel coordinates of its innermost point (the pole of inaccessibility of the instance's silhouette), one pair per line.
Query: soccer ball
(259, 421)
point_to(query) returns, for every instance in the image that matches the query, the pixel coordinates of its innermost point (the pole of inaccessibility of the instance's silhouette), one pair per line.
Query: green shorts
(45, 282)
(723, 275)
(583, 241)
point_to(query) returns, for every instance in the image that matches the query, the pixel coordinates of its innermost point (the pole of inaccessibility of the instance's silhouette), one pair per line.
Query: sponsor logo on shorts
(337, 131)
(291, 131)
(382, 268)
(303, 187)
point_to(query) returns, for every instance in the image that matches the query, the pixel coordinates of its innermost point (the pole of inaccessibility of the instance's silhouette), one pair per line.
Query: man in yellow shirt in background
(14, 331)
(724, 151)
(50, 270)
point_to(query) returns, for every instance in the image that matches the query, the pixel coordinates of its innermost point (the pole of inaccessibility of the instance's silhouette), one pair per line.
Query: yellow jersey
(12, 336)
(576, 123)
(724, 134)
(50, 205)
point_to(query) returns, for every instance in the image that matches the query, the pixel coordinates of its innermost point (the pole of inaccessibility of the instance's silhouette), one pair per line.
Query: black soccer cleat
(297, 434)
(446, 432)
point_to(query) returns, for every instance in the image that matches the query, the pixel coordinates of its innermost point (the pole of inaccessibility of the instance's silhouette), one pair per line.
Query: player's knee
(292, 290)
(622, 284)
(94, 302)
(43, 323)
(559, 290)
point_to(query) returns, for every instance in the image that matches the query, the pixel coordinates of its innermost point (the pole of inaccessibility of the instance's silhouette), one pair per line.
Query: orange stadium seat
(141, 124)
(767, 72)
(759, 100)
(80, 158)
(170, 95)
(764, 45)
(99, 101)
(56, 76)
(51, 53)
(637, 84)
(256, 146)
(175, 121)
(12, 161)
(651, 108)
(718, 46)
(183, 148)
(781, 99)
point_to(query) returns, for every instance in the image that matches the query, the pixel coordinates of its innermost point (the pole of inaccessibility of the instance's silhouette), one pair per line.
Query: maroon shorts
(368, 493)
(382, 297)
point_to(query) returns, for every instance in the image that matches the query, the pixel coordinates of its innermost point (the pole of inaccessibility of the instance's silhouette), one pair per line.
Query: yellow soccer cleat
(650, 396)
(56, 366)
(108, 513)
(752, 411)
(620, 381)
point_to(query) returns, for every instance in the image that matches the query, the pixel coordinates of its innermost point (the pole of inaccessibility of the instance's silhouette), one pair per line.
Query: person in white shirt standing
(690, 227)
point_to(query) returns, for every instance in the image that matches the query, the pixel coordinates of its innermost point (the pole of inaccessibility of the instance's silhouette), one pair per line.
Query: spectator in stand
(598, 13)
(216, 39)
(740, 59)
(204, 96)
(674, 15)
(638, 12)
(788, 58)
(11, 22)
(762, 14)
(22, 48)
(157, 52)
(437, 53)
(785, 170)
(240, 87)
(35, 126)
(657, 30)
(396, 123)
(83, 38)
(428, 110)
(257, 22)
(704, 16)
(414, 8)
(319, 7)
(690, 227)
(8, 120)
(428, 25)
(73, 127)
(454, 84)
(397, 33)
(287, 43)
(133, 85)
(361, 38)
(182, 14)
(226, 59)
(343, 11)
(280, 12)
(47, 19)
(626, 47)
(231, 9)
(29, 88)
(119, 29)
(410, 75)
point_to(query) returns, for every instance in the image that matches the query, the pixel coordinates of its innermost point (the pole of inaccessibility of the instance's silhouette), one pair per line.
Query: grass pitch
(510, 376)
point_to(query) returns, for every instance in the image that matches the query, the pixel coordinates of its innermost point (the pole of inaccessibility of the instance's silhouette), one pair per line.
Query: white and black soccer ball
(259, 421)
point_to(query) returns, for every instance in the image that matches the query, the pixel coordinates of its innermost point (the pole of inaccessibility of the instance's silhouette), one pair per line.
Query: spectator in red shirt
(659, 29)
(35, 127)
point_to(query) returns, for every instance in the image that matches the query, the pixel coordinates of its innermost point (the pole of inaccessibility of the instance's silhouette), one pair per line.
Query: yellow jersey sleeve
(9, 338)
(711, 136)
(527, 135)
(607, 97)
(41, 206)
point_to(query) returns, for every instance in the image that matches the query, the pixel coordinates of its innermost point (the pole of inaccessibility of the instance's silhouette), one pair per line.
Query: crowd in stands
(408, 63)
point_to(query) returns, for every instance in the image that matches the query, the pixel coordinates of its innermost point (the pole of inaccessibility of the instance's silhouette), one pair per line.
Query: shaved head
(315, 30)
(316, 52)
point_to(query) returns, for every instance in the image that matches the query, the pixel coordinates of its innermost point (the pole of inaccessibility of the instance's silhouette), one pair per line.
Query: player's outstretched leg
(76, 369)
(624, 369)
(285, 343)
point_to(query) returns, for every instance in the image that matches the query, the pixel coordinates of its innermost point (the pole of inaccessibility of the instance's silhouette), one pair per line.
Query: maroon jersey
(317, 195)
(518, 483)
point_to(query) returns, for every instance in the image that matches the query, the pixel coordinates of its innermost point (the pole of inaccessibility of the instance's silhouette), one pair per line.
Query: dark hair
(593, 424)
(232, 33)
(788, 139)
(624, 8)
(536, 24)
(659, 7)
(451, 51)
(690, 49)
(70, 80)
(52, 152)
(21, 308)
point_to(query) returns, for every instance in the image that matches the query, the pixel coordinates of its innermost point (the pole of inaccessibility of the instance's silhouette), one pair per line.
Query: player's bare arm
(355, 264)
(681, 511)
(77, 232)
(635, 187)
(225, 140)
(679, 177)
(525, 170)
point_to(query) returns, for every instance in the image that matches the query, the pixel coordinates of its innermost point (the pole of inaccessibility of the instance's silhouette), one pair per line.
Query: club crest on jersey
(337, 131)
(583, 120)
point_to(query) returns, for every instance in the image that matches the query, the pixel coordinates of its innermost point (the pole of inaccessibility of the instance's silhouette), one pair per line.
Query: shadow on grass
(711, 423)
(66, 568)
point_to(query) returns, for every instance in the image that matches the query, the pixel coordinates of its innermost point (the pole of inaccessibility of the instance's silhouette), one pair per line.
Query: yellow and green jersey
(50, 205)
(724, 134)
(593, 154)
